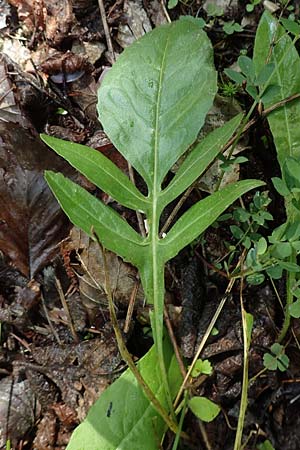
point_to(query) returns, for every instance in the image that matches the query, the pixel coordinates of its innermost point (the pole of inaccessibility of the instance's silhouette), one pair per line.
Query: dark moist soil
(58, 351)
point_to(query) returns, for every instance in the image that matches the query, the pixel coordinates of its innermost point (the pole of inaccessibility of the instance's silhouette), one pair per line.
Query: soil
(58, 351)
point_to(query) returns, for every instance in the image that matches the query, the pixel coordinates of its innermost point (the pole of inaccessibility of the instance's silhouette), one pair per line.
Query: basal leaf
(201, 215)
(154, 100)
(100, 171)
(272, 45)
(123, 418)
(86, 211)
(199, 159)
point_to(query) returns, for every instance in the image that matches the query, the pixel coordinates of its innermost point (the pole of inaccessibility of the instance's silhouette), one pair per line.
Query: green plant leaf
(201, 215)
(86, 211)
(247, 67)
(152, 111)
(172, 3)
(270, 362)
(291, 26)
(100, 171)
(235, 76)
(123, 416)
(280, 186)
(265, 74)
(255, 279)
(202, 367)
(277, 360)
(204, 408)
(266, 445)
(284, 122)
(199, 159)
(261, 246)
(294, 309)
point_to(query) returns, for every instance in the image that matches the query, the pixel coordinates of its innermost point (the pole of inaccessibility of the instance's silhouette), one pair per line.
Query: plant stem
(291, 277)
(158, 297)
(126, 355)
(247, 321)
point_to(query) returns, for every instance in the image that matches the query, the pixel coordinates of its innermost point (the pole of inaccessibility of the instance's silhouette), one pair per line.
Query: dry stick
(174, 343)
(165, 11)
(125, 353)
(175, 210)
(66, 309)
(204, 339)
(49, 321)
(106, 29)
(131, 306)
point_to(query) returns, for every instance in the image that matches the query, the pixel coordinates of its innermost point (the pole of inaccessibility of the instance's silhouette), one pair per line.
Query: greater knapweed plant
(152, 104)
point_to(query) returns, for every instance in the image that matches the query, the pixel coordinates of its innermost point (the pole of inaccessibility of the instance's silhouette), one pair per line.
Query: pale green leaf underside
(153, 110)
(201, 215)
(100, 171)
(86, 211)
(284, 122)
(199, 159)
(133, 424)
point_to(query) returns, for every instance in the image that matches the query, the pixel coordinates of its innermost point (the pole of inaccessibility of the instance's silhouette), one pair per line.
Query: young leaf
(152, 111)
(202, 367)
(86, 211)
(204, 408)
(201, 215)
(123, 416)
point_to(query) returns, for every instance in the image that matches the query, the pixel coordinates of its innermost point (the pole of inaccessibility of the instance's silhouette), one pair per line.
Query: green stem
(126, 355)
(291, 277)
(158, 297)
(247, 321)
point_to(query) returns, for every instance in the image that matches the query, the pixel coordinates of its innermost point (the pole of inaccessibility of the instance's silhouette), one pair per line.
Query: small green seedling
(250, 6)
(232, 27)
(202, 367)
(277, 359)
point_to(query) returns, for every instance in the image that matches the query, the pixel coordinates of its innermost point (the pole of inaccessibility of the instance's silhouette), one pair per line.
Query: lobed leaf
(201, 215)
(154, 100)
(86, 211)
(100, 171)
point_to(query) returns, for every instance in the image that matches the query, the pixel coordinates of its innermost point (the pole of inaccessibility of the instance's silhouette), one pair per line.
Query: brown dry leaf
(137, 23)
(18, 407)
(59, 20)
(9, 110)
(92, 276)
(31, 221)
